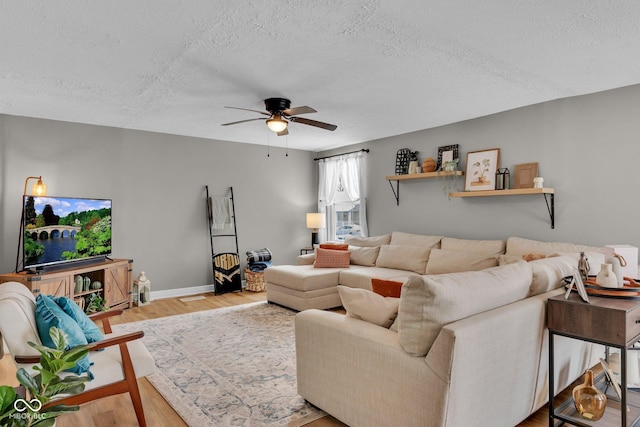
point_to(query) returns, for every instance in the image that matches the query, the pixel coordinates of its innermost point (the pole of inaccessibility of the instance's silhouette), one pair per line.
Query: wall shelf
(516, 192)
(414, 176)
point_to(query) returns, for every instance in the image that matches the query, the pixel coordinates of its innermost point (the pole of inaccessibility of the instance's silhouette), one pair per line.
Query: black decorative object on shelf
(402, 161)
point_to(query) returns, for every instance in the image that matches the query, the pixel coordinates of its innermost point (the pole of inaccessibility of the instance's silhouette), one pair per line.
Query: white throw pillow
(486, 247)
(366, 256)
(409, 239)
(443, 261)
(369, 306)
(549, 272)
(517, 246)
(427, 303)
(369, 241)
(400, 257)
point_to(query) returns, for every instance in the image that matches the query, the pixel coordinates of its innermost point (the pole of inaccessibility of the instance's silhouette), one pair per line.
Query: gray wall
(587, 147)
(157, 184)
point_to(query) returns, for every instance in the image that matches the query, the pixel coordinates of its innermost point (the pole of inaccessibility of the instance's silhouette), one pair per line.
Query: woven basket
(255, 280)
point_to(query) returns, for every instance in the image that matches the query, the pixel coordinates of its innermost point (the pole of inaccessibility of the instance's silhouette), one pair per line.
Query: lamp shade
(39, 189)
(315, 220)
(277, 123)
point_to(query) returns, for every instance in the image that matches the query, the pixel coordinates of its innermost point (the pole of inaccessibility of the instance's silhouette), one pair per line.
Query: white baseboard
(183, 292)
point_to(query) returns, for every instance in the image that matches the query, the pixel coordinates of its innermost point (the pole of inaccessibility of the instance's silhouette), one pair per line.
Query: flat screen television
(61, 230)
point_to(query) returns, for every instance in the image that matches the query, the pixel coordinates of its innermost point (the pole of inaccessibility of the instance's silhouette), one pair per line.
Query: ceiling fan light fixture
(277, 123)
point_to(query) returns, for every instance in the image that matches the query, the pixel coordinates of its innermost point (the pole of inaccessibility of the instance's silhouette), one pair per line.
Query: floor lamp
(38, 189)
(315, 221)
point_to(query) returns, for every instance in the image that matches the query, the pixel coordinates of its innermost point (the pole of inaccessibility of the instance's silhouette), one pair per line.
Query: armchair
(123, 358)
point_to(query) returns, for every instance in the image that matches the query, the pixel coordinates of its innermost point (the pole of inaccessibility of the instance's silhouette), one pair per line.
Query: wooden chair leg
(134, 391)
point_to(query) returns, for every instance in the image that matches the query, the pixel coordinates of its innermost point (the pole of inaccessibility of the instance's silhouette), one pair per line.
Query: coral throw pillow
(335, 246)
(330, 258)
(386, 288)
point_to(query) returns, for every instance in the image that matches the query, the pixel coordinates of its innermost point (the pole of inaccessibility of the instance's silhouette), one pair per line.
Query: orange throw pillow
(335, 246)
(386, 288)
(330, 258)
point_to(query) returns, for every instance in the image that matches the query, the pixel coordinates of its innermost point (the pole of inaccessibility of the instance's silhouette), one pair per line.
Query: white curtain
(352, 169)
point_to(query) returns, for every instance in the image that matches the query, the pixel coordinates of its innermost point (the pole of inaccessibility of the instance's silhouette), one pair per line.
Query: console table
(611, 322)
(115, 275)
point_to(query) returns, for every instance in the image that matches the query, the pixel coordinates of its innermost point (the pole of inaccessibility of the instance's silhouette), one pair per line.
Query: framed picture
(481, 170)
(524, 174)
(577, 278)
(446, 153)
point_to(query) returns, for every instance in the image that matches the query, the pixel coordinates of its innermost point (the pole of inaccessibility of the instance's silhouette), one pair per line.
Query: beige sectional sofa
(467, 348)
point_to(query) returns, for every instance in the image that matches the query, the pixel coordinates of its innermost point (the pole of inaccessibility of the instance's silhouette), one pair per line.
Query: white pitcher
(606, 278)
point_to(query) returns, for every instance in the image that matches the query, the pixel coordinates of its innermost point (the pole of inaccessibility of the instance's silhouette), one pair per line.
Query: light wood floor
(118, 410)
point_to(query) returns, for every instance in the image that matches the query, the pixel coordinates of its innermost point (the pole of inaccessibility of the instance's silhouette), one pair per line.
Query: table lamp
(315, 221)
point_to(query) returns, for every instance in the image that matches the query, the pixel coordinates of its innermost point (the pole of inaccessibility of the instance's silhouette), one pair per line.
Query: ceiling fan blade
(241, 121)
(284, 132)
(299, 110)
(315, 123)
(248, 109)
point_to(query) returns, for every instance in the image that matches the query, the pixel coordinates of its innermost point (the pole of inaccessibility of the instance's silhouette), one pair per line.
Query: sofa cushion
(330, 258)
(408, 239)
(429, 302)
(302, 277)
(386, 288)
(369, 306)
(548, 273)
(443, 261)
(335, 246)
(366, 256)
(369, 241)
(487, 247)
(403, 257)
(517, 246)
(360, 277)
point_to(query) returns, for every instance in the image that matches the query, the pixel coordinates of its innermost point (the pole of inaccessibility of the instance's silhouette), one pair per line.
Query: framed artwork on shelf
(402, 161)
(524, 174)
(446, 153)
(481, 170)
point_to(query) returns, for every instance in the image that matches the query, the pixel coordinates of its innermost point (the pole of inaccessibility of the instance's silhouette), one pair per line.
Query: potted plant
(43, 387)
(96, 303)
(448, 171)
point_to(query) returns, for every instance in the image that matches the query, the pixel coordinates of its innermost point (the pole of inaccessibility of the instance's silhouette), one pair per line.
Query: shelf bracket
(396, 192)
(551, 208)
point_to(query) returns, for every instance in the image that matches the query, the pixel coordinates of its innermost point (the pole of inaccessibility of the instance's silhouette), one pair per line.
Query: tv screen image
(64, 229)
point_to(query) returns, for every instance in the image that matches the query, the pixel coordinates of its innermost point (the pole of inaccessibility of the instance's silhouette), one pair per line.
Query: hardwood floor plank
(118, 410)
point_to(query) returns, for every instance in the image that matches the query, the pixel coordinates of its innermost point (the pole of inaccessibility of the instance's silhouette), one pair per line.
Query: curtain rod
(366, 150)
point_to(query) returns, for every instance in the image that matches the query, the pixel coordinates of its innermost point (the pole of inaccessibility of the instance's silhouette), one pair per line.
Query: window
(341, 196)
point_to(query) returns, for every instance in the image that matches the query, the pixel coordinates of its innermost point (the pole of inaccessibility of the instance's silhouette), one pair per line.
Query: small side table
(607, 321)
(306, 250)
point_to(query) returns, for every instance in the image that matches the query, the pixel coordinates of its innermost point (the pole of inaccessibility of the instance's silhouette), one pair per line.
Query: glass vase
(589, 401)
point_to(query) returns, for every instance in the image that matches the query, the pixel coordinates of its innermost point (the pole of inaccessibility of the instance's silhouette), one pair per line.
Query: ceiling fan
(280, 113)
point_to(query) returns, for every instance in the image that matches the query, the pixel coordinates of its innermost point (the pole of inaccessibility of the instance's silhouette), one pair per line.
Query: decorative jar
(589, 401)
(606, 277)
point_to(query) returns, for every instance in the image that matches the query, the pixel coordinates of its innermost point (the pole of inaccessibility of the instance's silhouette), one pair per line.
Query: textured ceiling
(374, 68)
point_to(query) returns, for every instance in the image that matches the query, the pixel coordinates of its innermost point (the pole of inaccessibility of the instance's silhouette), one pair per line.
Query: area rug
(232, 366)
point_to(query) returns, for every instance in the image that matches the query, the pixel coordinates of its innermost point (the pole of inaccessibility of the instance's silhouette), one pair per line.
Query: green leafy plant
(45, 386)
(96, 303)
(449, 179)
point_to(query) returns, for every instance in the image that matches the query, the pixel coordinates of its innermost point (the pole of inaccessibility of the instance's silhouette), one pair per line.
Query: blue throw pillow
(49, 314)
(89, 328)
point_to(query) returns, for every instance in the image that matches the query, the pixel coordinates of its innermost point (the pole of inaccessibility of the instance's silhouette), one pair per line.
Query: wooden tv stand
(116, 276)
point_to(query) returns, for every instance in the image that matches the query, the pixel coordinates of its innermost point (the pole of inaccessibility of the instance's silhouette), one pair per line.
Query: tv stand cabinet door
(58, 286)
(118, 286)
